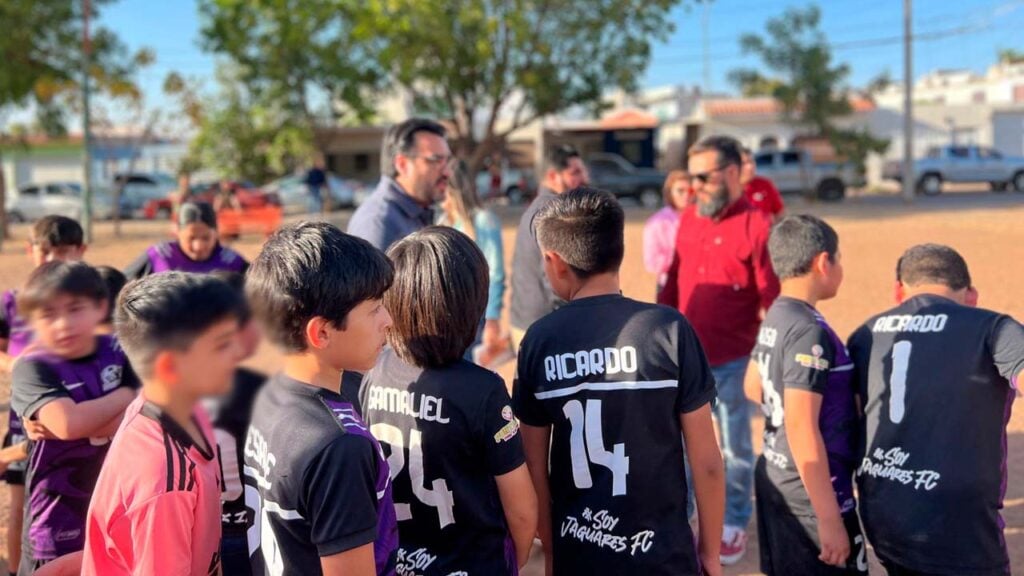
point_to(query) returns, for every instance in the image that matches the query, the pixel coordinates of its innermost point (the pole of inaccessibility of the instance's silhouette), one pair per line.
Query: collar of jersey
(180, 435)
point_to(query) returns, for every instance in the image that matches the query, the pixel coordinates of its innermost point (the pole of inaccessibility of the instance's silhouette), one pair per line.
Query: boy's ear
(558, 264)
(165, 367)
(317, 335)
(821, 263)
(971, 297)
(899, 292)
(104, 307)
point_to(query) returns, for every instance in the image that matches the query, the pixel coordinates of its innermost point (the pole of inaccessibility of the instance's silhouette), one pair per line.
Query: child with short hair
(230, 415)
(468, 507)
(324, 488)
(52, 238)
(610, 388)
(76, 386)
(115, 282)
(196, 248)
(800, 373)
(156, 507)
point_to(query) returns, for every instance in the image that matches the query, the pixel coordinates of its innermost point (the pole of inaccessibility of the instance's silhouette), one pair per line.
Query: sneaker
(734, 545)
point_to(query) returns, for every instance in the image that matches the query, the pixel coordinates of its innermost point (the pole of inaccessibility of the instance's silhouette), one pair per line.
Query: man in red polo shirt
(721, 279)
(759, 190)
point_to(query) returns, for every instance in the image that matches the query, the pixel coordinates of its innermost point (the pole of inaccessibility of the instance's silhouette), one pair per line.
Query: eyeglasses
(434, 159)
(703, 177)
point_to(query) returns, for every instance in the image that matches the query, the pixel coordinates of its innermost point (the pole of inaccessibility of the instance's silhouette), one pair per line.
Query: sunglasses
(703, 177)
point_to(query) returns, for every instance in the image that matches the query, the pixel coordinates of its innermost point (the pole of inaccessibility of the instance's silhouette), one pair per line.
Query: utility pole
(86, 127)
(908, 104)
(704, 25)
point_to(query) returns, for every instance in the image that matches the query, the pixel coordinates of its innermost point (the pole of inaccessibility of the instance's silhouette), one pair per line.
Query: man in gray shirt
(415, 170)
(532, 297)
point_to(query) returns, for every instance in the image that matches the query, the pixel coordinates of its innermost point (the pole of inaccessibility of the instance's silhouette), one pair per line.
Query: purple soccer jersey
(61, 474)
(19, 331)
(168, 256)
(797, 349)
(19, 336)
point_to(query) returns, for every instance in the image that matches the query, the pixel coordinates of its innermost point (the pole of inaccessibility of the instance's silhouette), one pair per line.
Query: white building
(1001, 85)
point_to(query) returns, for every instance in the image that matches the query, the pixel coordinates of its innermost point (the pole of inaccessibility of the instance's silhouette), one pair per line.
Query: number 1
(898, 380)
(586, 424)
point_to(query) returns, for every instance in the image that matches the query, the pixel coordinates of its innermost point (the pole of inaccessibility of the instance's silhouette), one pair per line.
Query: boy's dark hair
(438, 298)
(401, 139)
(728, 148)
(933, 264)
(313, 269)
(53, 231)
(115, 282)
(558, 157)
(54, 278)
(585, 227)
(796, 241)
(197, 212)
(169, 311)
(237, 281)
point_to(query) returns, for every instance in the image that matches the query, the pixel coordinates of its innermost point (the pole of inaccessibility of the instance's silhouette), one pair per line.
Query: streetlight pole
(908, 104)
(86, 125)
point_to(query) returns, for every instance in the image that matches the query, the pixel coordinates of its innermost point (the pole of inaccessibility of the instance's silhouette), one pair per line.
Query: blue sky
(964, 34)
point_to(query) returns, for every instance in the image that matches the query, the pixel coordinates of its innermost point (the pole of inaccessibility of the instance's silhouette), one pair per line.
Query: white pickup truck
(795, 172)
(961, 164)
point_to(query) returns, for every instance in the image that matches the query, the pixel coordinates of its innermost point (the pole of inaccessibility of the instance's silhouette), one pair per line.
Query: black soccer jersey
(796, 349)
(447, 432)
(317, 480)
(612, 376)
(936, 380)
(230, 417)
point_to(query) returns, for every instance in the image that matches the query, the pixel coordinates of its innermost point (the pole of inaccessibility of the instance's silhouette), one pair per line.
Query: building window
(1018, 93)
(362, 162)
(978, 97)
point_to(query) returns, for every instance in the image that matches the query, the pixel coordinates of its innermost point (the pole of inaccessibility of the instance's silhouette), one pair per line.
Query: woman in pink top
(660, 229)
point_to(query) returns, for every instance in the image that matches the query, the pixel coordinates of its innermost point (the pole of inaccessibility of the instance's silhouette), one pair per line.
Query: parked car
(961, 164)
(615, 174)
(517, 184)
(294, 194)
(140, 188)
(248, 196)
(795, 171)
(34, 201)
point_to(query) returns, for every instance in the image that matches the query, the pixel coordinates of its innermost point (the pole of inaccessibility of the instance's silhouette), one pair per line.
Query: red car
(248, 197)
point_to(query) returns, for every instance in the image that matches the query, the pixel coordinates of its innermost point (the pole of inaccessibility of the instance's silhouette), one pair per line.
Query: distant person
(482, 515)
(462, 210)
(115, 282)
(415, 171)
(184, 192)
(937, 377)
(800, 374)
(760, 191)
(532, 297)
(661, 228)
(608, 390)
(76, 385)
(52, 238)
(721, 279)
(316, 185)
(227, 197)
(197, 247)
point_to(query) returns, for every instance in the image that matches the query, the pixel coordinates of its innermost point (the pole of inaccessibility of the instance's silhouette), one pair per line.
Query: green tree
(1010, 56)
(487, 66)
(40, 49)
(807, 83)
(240, 133)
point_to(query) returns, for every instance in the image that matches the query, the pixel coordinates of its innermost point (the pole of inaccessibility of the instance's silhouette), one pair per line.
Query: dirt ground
(873, 231)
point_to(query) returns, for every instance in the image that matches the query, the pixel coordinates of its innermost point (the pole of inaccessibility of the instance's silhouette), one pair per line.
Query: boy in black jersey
(937, 377)
(800, 374)
(462, 491)
(230, 416)
(314, 475)
(606, 384)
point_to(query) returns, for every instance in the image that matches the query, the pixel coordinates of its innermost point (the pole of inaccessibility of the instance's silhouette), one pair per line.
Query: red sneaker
(734, 545)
